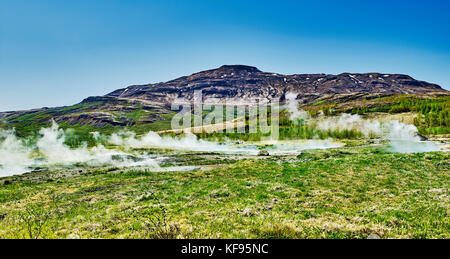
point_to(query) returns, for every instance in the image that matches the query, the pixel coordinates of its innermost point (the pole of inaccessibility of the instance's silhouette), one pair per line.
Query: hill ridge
(245, 82)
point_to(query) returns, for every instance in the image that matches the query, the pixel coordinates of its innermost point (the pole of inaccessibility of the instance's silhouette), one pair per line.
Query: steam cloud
(292, 107)
(14, 154)
(18, 156)
(21, 155)
(189, 142)
(402, 137)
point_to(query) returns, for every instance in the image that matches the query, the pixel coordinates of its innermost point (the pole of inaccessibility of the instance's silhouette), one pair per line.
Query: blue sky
(55, 53)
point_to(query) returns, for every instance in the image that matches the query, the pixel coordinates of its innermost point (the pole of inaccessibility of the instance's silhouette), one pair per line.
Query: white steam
(50, 151)
(402, 137)
(296, 147)
(18, 156)
(349, 122)
(14, 154)
(189, 142)
(292, 107)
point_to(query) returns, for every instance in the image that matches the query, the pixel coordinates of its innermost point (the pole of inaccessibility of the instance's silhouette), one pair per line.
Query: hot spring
(125, 149)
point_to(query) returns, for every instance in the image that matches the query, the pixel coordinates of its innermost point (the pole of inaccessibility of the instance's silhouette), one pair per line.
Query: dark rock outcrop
(263, 153)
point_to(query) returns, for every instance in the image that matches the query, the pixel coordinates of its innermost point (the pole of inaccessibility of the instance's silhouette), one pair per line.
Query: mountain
(241, 83)
(148, 106)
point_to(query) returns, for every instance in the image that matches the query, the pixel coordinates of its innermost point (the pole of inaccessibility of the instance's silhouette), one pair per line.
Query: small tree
(35, 219)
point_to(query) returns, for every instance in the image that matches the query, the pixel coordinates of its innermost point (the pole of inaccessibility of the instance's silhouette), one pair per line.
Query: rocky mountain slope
(241, 83)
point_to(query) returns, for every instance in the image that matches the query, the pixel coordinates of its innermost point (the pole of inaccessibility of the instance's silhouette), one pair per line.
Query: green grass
(346, 193)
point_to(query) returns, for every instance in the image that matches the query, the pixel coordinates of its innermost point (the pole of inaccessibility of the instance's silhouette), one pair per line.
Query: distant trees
(433, 113)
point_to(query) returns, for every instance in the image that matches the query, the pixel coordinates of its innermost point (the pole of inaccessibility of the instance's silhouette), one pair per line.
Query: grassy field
(347, 193)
